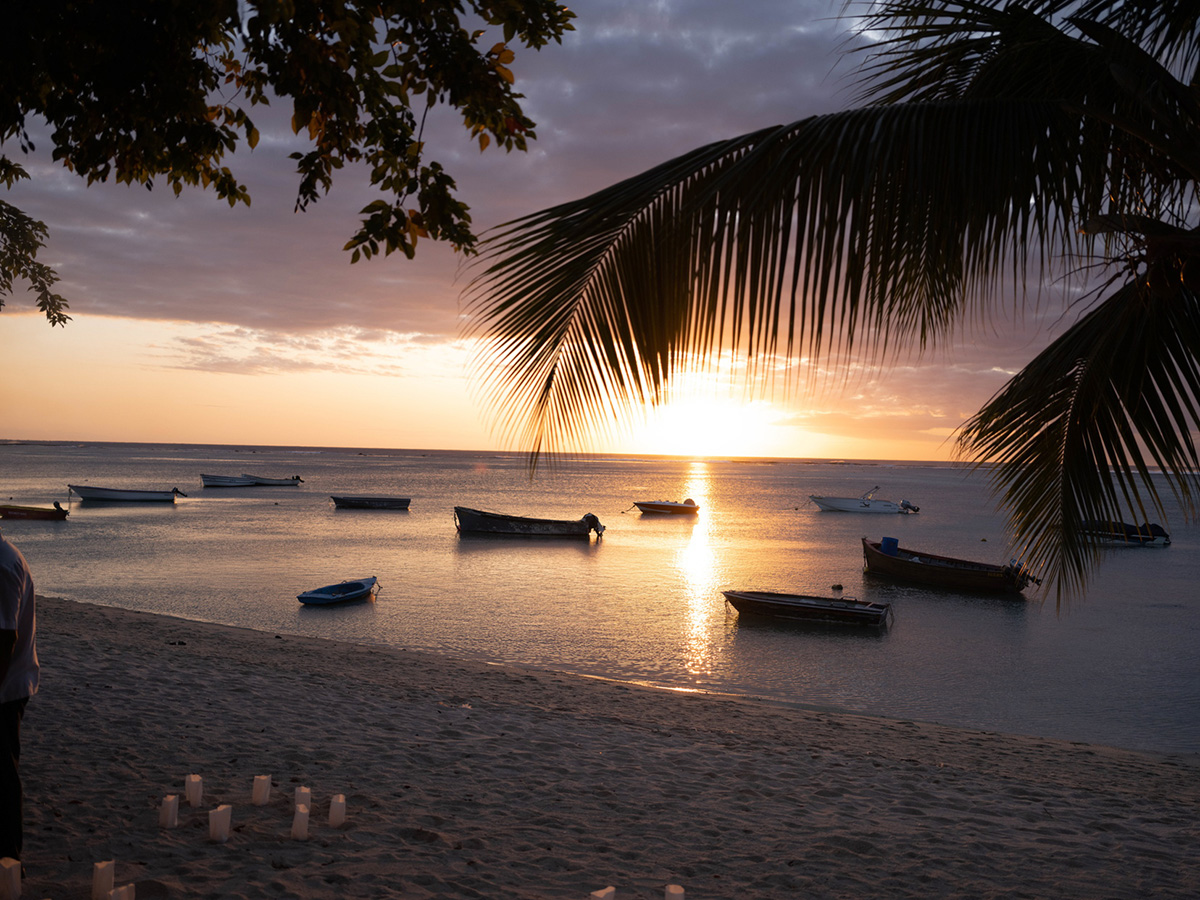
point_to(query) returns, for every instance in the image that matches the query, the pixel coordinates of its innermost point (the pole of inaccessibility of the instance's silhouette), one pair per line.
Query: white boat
(92, 492)
(227, 480)
(867, 503)
(341, 592)
(668, 507)
(274, 482)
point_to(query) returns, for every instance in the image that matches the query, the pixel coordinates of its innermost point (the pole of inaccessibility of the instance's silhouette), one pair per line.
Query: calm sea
(643, 604)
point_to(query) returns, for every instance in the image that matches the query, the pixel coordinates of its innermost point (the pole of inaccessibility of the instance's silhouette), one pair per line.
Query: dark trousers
(10, 777)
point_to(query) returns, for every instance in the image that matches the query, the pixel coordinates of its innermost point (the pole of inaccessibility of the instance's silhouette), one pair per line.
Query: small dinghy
(342, 592)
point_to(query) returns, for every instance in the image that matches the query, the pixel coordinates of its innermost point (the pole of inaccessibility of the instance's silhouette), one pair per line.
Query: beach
(466, 779)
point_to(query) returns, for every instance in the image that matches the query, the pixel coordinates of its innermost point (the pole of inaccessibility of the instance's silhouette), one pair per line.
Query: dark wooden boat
(341, 592)
(808, 608)
(33, 512)
(344, 502)
(1144, 535)
(930, 569)
(476, 521)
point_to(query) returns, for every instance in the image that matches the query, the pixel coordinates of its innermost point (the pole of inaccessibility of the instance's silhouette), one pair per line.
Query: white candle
(262, 790)
(674, 892)
(607, 893)
(168, 812)
(337, 810)
(193, 789)
(300, 823)
(102, 879)
(219, 820)
(303, 796)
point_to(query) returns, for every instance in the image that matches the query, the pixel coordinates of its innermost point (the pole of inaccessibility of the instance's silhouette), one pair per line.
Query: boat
(808, 608)
(668, 507)
(867, 503)
(886, 558)
(370, 502)
(91, 492)
(274, 482)
(476, 521)
(33, 512)
(1144, 535)
(227, 480)
(342, 592)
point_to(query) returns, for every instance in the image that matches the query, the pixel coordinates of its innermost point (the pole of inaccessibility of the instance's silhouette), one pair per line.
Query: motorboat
(274, 482)
(809, 608)
(342, 592)
(92, 492)
(33, 512)
(344, 502)
(476, 521)
(668, 507)
(867, 503)
(1144, 535)
(888, 559)
(212, 481)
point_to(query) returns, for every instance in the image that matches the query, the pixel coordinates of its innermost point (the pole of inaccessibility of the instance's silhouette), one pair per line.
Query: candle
(337, 810)
(102, 879)
(300, 823)
(168, 812)
(262, 789)
(218, 823)
(193, 789)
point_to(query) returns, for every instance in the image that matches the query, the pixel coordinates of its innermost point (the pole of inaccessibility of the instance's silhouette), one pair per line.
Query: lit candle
(300, 823)
(262, 789)
(337, 810)
(218, 823)
(168, 812)
(102, 880)
(193, 789)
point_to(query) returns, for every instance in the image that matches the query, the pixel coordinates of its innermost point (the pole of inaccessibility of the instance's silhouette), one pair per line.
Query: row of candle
(220, 819)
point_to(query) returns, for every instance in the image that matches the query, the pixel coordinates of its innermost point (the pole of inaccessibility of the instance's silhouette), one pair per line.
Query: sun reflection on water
(697, 561)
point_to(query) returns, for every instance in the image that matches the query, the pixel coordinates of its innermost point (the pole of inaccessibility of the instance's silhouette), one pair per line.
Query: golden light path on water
(698, 564)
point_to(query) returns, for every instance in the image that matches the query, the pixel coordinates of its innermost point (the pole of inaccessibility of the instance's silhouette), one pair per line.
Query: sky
(194, 322)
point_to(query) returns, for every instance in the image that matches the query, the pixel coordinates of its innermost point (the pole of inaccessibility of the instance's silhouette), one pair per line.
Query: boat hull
(343, 592)
(32, 512)
(943, 571)
(476, 521)
(860, 505)
(844, 611)
(667, 507)
(274, 482)
(371, 502)
(92, 492)
(213, 481)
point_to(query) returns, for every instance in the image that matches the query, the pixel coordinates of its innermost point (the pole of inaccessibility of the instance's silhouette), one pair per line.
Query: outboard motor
(594, 524)
(908, 507)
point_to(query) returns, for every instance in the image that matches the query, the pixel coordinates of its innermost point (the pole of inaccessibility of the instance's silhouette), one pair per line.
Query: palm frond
(1077, 434)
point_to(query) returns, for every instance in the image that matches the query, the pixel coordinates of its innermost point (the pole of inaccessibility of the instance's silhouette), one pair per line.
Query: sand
(464, 779)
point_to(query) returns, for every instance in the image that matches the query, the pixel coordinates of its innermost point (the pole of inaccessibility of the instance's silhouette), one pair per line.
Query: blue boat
(341, 592)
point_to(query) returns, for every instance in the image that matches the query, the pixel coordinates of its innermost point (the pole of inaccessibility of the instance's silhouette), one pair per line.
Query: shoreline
(472, 779)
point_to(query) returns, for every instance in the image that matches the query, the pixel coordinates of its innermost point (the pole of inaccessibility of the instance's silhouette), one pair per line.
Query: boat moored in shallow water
(93, 492)
(809, 608)
(867, 503)
(477, 521)
(890, 560)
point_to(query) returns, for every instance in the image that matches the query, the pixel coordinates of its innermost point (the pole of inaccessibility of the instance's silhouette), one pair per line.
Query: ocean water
(643, 604)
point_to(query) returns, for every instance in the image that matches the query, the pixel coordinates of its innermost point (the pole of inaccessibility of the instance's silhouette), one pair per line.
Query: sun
(710, 426)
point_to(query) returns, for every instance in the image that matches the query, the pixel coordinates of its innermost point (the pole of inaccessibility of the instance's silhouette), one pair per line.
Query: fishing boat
(342, 592)
(344, 502)
(226, 480)
(476, 521)
(668, 507)
(808, 608)
(888, 559)
(867, 503)
(33, 512)
(92, 492)
(1122, 533)
(274, 482)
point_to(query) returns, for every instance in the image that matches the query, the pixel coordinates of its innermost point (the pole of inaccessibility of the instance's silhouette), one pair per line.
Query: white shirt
(17, 614)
